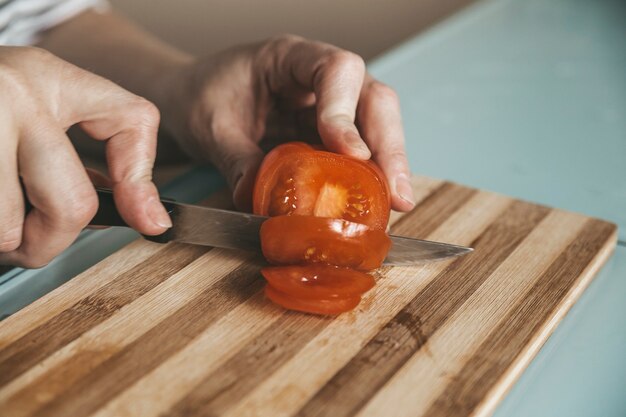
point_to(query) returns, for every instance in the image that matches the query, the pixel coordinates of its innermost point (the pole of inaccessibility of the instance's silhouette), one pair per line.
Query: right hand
(41, 96)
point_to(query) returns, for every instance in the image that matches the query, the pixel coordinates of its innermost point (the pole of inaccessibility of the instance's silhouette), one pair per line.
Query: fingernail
(404, 189)
(158, 214)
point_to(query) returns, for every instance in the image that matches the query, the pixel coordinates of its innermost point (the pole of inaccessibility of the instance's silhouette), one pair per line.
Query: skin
(216, 108)
(42, 96)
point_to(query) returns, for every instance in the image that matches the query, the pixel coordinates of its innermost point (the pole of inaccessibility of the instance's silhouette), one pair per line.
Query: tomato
(315, 306)
(298, 179)
(318, 281)
(287, 240)
(328, 213)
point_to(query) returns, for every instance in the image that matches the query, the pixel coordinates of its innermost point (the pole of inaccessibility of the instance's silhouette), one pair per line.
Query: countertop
(531, 96)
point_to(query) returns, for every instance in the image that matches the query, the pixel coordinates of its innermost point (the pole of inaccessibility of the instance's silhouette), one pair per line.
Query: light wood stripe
(515, 331)
(497, 392)
(434, 210)
(33, 389)
(422, 188)
(62, 298)
(215, 398)
(411, 328)
(144, 354)
(449, 349)
(96, 277)
(151, 394)
(279, 396)
(200, 338)
(31, 348)
(259, 359)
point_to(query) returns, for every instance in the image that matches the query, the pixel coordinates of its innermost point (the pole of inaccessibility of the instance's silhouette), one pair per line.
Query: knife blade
(234, 230)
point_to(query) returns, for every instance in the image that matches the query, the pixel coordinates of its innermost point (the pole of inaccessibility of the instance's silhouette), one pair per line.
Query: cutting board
(178, 330)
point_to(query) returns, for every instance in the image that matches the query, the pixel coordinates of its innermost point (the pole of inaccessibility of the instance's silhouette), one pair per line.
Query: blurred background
(367, 27)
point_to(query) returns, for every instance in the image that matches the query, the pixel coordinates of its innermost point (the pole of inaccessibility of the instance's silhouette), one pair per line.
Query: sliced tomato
(316, 306)
(289, 240)
(297, 179)
(318, 281)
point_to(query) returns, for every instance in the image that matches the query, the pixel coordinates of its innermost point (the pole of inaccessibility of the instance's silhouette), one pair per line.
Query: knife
(234, 230)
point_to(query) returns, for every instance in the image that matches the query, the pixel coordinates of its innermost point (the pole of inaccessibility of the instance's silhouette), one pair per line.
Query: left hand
(286, 88)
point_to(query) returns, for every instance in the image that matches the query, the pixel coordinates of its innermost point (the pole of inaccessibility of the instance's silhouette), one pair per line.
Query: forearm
(113, 47)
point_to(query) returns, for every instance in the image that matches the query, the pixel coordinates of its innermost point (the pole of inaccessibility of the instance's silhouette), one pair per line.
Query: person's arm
(115, 48)
(219, 107)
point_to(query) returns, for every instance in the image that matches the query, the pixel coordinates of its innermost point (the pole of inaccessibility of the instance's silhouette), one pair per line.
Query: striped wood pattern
(178, 330)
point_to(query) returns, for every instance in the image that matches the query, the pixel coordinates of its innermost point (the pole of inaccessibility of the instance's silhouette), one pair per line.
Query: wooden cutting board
(179, 330)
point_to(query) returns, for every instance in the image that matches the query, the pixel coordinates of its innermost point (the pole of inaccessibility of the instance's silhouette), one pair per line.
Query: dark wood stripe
(68, 325)
(521, 325)
(226, 386)
(276, 345)
(411, 328)
(433, 211)
(117, 373)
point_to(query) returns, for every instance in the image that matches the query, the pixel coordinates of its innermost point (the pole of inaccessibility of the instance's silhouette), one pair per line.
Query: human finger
(12, 205)
(380, 120)
(236, 156)
(58, 189)
(335, 76)
(129, 125)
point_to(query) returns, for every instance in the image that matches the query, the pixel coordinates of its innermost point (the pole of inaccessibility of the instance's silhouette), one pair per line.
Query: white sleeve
(22, 21)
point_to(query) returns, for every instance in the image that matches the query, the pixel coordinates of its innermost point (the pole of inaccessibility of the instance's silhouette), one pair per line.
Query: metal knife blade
(234, 230)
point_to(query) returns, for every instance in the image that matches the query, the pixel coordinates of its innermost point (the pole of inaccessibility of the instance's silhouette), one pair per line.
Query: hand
(287, 88)
(41, 97)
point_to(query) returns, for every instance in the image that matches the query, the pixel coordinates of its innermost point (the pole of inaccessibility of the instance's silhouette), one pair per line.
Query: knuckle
(139, 114)
(276, 46)
(393, 157)
(78, 209)
(343, 58)
(33, 53)
(397, 153)
(220, 129)
(10, 76)
(12, 81)
(285, 39)
(146, 112)
(384, 92)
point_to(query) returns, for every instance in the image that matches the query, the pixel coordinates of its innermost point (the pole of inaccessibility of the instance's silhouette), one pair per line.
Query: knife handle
(107, 214)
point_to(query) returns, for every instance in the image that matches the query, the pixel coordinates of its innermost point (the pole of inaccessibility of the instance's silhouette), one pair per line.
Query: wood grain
(178, 330)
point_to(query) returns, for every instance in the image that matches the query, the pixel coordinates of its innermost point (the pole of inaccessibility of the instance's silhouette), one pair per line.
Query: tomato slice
(297, 179)
(316, 306)
(318, 281)
(288, 240)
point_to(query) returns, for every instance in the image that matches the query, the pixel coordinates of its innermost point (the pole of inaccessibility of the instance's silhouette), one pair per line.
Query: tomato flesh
(316, 306)
(318, 281)
(328, 216)
(297, 179)
(288, 240)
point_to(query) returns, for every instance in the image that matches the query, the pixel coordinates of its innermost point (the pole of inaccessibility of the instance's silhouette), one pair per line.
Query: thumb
(238, 158)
